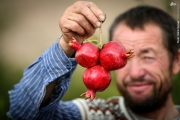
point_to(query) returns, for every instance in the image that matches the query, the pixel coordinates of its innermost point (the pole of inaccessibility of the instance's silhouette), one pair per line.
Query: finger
(96, 11)
(70, 35)
(86, 12)
(83, 22)
(70, 25)
(71, 29)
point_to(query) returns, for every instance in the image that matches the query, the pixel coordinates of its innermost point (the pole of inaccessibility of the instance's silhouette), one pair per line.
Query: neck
(167, 112)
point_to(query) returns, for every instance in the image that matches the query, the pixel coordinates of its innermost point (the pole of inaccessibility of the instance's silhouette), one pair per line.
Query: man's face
(145, 81)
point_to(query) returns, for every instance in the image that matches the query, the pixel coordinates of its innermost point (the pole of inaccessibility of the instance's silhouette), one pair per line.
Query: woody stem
(100, 35)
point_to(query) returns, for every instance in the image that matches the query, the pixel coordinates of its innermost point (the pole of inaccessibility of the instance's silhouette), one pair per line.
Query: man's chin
(138, 103)
(142, 103)
(138, 98)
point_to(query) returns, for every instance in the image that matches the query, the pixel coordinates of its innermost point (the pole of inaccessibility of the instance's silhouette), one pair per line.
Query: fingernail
(102, 17)
(98, 24)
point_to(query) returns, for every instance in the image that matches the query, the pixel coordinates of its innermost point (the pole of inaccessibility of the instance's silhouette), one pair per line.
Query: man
(145, 82)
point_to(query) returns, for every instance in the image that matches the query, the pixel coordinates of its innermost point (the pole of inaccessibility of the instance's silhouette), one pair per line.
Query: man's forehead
(148, 29)
(141, 45)
(150, 35)
(143, 42)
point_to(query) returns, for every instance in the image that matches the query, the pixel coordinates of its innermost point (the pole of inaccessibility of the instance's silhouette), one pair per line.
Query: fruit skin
(113, 56)
(96, 79)
(87, 54)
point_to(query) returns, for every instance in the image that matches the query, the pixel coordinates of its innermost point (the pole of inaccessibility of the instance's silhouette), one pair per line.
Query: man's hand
(79, 21)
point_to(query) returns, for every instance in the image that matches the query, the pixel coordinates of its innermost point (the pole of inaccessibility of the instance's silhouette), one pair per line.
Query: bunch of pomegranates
(99, 62)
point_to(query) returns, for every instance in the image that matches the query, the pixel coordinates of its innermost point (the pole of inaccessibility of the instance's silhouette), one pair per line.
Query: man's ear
(176, 63)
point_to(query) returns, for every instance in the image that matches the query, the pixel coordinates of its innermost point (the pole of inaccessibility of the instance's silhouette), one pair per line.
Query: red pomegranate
(113, 56)
(87, 54)
(96, 79)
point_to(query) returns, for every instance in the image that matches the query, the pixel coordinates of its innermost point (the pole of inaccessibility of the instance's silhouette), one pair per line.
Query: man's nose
(136, 69)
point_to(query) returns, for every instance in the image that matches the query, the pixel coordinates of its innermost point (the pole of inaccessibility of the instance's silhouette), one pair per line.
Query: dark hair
(139, 16)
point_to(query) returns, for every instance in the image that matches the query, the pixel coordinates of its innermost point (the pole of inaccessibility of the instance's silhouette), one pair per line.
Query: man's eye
(148, 59)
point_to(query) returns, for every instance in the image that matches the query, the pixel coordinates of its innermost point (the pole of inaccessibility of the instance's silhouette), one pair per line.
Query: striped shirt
(53, 64)
(27, 95)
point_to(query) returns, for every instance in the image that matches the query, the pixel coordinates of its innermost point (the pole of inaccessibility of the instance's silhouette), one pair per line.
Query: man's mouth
(139, 87)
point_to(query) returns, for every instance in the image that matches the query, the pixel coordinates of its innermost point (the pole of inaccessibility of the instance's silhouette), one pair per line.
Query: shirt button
(68, 66)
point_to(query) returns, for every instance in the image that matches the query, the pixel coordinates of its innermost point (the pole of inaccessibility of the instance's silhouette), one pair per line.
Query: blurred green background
(27, 28)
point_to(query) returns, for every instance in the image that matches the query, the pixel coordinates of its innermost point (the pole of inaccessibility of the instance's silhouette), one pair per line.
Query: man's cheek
(158, 73)
(123, 72)
(120, 76)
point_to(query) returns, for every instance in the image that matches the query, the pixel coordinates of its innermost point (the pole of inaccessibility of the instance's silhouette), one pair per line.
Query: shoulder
(178, 107)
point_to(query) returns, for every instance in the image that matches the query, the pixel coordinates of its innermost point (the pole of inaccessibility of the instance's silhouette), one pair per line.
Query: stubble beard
(151, 103)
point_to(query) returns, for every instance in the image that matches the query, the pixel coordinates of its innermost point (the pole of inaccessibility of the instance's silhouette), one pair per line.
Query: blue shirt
(27, 95)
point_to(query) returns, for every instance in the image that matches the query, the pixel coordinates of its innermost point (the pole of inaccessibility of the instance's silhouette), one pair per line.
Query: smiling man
(145, 82)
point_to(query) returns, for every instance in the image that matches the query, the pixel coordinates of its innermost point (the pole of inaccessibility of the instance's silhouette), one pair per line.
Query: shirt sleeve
(27, 95)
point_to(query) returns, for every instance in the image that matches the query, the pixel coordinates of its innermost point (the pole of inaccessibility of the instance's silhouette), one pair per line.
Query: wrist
(66, 48)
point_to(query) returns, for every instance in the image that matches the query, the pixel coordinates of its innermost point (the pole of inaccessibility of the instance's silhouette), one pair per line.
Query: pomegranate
(87, 54)
(99, 61)
(113, 56)
(96, 79)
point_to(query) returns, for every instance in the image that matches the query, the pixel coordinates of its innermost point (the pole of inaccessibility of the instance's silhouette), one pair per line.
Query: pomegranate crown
(129, 54)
